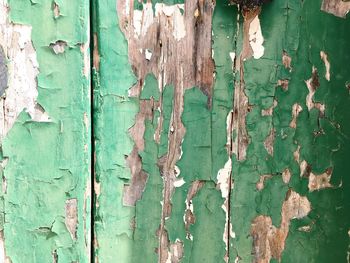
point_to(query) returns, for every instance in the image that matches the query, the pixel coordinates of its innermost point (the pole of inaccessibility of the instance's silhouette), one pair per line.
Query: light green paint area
(114, 113)
(49, 162)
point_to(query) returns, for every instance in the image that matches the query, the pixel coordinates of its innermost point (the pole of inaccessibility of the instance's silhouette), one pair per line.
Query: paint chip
(256, 38)
(320, 181)
(312, 84)
(71, 218)
(324, 57)
(58, 47)
(56, 10)
(261, 183)
(296, 109)
(223, 178)
(22, 70)
(178, 183)
(269, 141)
(286, 175)
(286, 60)
(148, 54)
(232, 56)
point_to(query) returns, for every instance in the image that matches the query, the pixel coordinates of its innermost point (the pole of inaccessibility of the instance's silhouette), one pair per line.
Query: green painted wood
(46, 175)
(219, 134)
(287, 142)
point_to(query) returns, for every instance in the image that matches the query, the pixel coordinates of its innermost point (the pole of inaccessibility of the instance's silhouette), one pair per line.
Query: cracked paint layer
(269, 241)
(19, 62)
(175, 132)
(307, 142)
(45, 143)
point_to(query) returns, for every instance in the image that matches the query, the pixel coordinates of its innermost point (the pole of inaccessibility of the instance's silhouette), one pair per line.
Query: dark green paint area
(302, 30)
(224, 42)
(196, 145)
(195, 164)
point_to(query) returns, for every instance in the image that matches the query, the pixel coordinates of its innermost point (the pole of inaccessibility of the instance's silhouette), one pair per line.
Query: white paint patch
(229, 130)
(176, 19)
(127, 8)
(148, 54)
(232, 234)
(178, 183)
(142, 20)
(169, 258)
(23, 69)
(232, 56)
(324, 57)
(256, 38)
(223, 178)
(85, 50)
(304, 228)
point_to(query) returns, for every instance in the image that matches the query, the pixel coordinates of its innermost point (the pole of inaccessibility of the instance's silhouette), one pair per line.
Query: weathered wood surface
(221, 136)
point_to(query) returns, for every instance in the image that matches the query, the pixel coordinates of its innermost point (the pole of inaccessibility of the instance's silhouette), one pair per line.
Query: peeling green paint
(150, 88)
(114, 114)
(291, 30)
(48, 163)
(302, 32)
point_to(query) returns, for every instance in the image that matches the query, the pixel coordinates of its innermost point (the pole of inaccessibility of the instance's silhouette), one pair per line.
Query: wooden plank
(45, 131)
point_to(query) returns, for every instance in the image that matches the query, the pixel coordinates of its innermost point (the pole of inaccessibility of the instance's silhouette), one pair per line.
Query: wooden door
(187, 131)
